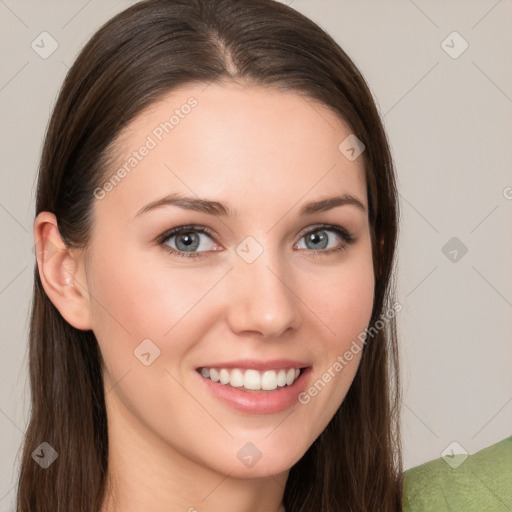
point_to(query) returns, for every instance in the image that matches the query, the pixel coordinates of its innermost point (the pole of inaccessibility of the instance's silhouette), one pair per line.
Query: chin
(250, 462)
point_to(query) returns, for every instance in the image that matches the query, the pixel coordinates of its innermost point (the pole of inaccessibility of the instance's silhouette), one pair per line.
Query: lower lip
(259, 402)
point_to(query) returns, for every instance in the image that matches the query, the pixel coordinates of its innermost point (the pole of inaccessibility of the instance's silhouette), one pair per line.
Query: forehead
(249, 144)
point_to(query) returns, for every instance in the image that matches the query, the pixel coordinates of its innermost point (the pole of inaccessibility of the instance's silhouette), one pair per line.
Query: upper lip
(254, 364)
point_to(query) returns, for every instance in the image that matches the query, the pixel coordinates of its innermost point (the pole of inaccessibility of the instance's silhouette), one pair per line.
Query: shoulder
(482, 481)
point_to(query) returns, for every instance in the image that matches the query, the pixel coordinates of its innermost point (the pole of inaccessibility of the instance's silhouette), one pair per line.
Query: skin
(266, 153)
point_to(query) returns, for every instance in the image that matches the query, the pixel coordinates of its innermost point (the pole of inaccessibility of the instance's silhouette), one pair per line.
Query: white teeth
(224, 376)
(237, 378)
(269, 380)
(252, 379)
(281, 378)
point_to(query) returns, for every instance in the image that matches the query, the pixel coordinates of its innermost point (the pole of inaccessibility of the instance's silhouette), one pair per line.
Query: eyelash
(164, 237)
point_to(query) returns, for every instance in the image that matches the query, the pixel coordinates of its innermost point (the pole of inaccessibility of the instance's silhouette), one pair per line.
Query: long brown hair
(133, 60)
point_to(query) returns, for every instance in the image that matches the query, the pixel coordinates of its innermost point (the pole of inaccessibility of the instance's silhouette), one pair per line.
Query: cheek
(137, 298)
(140, 294)
(343, 301)
(353, 295)
(343, 298)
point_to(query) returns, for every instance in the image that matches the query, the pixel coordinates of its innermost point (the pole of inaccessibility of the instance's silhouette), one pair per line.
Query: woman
(213, 315)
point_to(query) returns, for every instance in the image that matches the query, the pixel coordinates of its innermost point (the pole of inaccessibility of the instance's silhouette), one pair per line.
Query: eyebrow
(220, 209)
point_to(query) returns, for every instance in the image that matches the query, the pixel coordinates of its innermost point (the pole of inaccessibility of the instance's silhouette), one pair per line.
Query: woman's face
(262, 288)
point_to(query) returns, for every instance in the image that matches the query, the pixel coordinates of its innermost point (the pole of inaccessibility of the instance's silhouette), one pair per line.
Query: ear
(62, 272)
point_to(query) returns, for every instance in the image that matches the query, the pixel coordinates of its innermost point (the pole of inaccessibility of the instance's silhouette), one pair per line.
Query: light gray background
(449, 124)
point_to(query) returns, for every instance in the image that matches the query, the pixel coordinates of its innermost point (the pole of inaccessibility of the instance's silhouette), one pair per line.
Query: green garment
(482, 482)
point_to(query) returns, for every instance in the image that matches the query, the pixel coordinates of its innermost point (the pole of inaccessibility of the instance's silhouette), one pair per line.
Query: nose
(261, 298)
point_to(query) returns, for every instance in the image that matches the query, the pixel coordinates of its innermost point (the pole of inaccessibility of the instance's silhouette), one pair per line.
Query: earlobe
(61, 272)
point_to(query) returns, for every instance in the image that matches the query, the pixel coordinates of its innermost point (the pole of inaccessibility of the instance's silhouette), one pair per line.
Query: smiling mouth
(252, 380)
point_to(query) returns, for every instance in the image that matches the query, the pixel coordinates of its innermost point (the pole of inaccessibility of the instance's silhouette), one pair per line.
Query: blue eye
(187, 240)
(318, 238)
